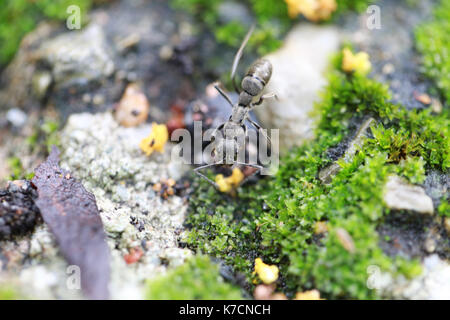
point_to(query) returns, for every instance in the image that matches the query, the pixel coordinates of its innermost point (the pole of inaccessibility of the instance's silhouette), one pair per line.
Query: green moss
(444, 207)
(46, 134)
(50, 130)
(433, 41)
(275, 219)
(8, 293)
(17, 17)
(17, 170)
(197, 279)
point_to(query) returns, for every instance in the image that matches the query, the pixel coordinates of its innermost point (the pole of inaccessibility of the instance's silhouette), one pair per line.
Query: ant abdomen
(257, 77)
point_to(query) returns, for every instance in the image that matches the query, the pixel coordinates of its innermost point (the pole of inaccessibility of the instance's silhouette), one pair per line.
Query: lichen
(276, 218)
(197, 279)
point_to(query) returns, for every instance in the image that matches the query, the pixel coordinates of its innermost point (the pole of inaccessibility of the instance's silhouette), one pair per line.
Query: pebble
(16, 117)
(400, 195)
(133, 108)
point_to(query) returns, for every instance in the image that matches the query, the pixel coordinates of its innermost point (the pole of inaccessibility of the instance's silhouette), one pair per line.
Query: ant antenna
(223, 94)
(238, 57)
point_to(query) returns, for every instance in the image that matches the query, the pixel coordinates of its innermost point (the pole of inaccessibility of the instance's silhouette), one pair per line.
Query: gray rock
(400, 195)
(234, 11)
(432, 284)
(297, 79)
(78, 56)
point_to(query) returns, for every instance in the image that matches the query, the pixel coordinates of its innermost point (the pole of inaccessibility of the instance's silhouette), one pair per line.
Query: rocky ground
(79, 78)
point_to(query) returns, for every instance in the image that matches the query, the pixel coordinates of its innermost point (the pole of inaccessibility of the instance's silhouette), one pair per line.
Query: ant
(253, 83)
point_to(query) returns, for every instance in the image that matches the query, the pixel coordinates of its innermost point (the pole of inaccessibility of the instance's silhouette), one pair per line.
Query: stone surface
(76, 57)
(399, 195)
(391, 48)
(432, 284)
(297, 78)
(106, 158)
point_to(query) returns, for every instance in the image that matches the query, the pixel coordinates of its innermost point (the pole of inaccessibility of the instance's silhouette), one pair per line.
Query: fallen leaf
(72, 215)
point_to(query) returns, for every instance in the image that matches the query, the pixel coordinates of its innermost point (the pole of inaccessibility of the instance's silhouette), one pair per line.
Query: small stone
(447, 224)
(134, 255)
(388, 68)
(98, 99)
(436, 106)
(16, 117)
(345, 239)
(263, 292)
(400, 195)
(422, 98)
(40, 83)
(430, 245)
(133, 108)
(166, 52)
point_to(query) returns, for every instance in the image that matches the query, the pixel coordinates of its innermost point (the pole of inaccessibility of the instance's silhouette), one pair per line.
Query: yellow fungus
(313, 10)
(355, 62)
(228, 183)
(267, 273)
(308, 295)
(156, 139)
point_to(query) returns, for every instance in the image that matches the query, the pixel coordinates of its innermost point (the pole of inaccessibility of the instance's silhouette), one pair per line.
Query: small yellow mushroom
(267, 273)
(156, 139)
(308, 295)
(355, 62)
(228, 183)
(314, 10)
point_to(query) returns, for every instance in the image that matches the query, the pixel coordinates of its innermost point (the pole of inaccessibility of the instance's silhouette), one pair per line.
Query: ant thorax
(239, 114)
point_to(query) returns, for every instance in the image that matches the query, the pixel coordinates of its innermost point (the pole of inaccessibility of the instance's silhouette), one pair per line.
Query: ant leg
(223, 94)
(220, 127)
(260, 129)
(197, 171)
(264, 97)
(238, 56)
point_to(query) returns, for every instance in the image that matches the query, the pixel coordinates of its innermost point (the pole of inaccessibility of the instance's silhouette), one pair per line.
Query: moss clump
(276, 218)
(46, 134)
(198, 278)
(18, 17)
(8, 293)
(17, 170)
(433, 41)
